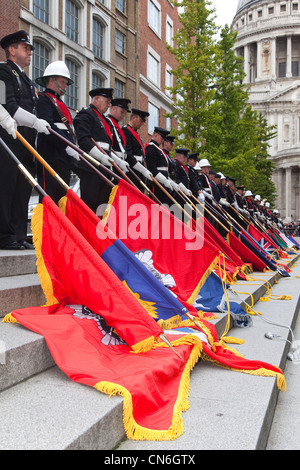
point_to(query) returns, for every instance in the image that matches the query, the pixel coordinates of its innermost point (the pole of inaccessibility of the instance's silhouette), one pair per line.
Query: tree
(212, 101)
(195, 50)
(237, 137)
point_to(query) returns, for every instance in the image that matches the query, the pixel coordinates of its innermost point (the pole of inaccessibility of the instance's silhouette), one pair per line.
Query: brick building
(98, 40)
(110, 43)
(158, 25)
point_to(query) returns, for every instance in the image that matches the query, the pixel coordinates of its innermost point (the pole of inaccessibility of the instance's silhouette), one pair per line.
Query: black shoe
(27, 245)
(13, 246)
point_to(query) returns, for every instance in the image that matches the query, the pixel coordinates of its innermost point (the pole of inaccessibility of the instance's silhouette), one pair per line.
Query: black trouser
(93, 190)
(15, 192)
(50, 185)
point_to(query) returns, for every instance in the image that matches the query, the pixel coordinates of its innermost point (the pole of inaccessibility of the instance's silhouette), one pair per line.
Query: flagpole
(126, 177)
(114, 164)
(23, 170)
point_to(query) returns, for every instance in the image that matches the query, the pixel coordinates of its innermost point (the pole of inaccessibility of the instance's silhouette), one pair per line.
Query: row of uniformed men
(97, 134)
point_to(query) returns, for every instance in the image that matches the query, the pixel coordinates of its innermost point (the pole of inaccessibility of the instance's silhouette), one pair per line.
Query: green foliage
(212, 108)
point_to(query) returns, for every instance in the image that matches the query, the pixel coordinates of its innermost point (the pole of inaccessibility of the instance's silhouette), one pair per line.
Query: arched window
(98, 38)
(72, 93)
(40, 59)
(72, 20)
(98, 81)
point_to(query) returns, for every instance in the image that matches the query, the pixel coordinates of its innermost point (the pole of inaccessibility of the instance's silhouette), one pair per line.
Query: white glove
(174, 185)
(224, 202)
(143, 170)
(124, 166)
(201, 197)
(7, 122)
(235, 205)
(185, 190)
(207, 195)
(163, 180)
(100, 156)
(72, 153)
(24, 118)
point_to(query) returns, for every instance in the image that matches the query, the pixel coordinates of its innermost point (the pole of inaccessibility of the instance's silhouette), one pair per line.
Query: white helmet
(55, 69)
(257, 197)
(248, 193)
(204, 162)
(197, 167)
(267, 204)
(222, 176)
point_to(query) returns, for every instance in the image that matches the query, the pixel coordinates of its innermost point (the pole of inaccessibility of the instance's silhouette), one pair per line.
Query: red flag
(247, 255)
(161, 240)
(72, 272)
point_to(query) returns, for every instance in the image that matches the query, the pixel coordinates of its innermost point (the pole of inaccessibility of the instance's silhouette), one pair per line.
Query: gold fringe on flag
(139, 433)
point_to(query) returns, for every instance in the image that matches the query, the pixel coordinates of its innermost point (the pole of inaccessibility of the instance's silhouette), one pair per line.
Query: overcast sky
(226, 10)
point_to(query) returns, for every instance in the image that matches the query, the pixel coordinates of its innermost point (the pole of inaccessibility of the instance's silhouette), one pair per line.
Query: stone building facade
(98, 40)
(269, 41)
(158, 25)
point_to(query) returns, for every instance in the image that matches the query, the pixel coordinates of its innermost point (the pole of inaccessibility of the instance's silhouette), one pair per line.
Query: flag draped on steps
(101, 336)
(161, 241)
(148, 289)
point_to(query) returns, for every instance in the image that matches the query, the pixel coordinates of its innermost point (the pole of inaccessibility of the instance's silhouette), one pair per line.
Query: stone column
(273, 59)
(288, 191)
(288, 56)
(246, 64)
(259, 59)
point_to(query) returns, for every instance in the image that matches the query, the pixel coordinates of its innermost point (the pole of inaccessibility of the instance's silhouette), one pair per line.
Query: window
(98, 39)
(295, 6)
(120, 42)
(40, 60)
(153, 119)
(169, 31)
(271, 10)
(169, 79)
(72, 17)
(282, 7)
(41, 10)
(119, 89)
(259, 13)
(97, 81)
(121, 5)
(282, 69)
(153, 69)
(154, 16)
(71, 96)
(295, 69)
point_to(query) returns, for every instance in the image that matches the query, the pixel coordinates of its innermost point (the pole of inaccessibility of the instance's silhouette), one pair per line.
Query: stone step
(50, 412)
(15, 263)
(20, 292)
(42, 409)
(231, 410)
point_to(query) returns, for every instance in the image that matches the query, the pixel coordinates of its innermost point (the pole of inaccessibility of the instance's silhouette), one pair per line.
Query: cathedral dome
(245, 4)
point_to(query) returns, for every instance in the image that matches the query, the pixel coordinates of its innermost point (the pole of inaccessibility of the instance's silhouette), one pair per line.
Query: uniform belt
(120, 155)
(139, 158)
(61, 125)
(162, 168)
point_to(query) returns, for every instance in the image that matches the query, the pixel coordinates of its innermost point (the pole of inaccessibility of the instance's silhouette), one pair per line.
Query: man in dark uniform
(193, 175)
(181, 171)
(91, 123)
(158, 164)
(118, 110)
(20, 102)
(135, 150)
(167, 148)
(239, 195)
(61, 157)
